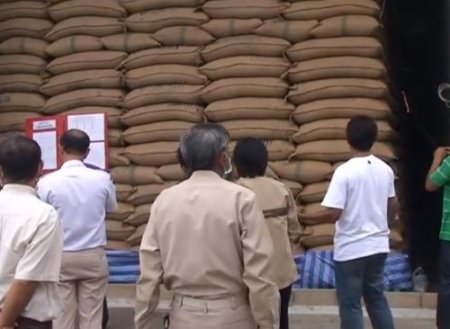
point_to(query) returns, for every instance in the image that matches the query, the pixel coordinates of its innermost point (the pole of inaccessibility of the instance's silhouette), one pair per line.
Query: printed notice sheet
(91, 124)
(48, 142)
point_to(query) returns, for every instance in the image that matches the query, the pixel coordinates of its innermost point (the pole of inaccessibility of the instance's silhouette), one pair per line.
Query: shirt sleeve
(294, 228)
(257, 253)
(391, 184)
(42, 258)
(336, 195)
(442, 175)
(111, 199)
(43, 191)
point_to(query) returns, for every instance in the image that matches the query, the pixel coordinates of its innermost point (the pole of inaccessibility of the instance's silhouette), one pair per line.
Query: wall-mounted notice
(48, 142)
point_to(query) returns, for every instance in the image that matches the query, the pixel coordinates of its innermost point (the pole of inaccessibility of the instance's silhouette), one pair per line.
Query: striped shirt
(441, 177)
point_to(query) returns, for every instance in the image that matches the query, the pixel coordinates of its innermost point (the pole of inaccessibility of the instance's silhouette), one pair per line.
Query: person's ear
(87, 154)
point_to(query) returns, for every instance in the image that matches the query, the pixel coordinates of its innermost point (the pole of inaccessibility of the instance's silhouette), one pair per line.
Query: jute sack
(135, 175)
(163, 112)
(83, 97)
(334, 129)
(140, 216)
(136, 238)
(183, 55)
(154, 20)
(115, 137)
(304, 10)
(117, 157)
(24, 45)
(146, 194)
(320, 235)
(118, 231)
(249, 108)
(311, 208)
(135, 6)
(30, 9)
(25, 83)
(113, 114)
(24, 27)
(328, 247)
(183, 36)
(337, 67)
(263, 129)
(28, 64)
(123, 192)
(153, 154)
(245, 45)
(294, 187)
(244, 67)
(21, 102)
(337, 150)
(333, 47)
(15, 121)
(342, 26)
(121, 213)
(244, 87)
(292, 31)
(171, 172)
(226, 27)
(117, 245)
(80, 8)
(108, 79)
(341, 108)
(188, 94)
(164, 74)
(337, 88)
(129, 42)
(87, 25)
(270, 173)
(165, 131)
(314, 193)
(244, 8)
(73, 44)
(279, 150)
(305, 172)
(91, 60)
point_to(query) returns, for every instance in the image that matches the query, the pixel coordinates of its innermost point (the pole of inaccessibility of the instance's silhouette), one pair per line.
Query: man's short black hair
(75, 141)
(20, 158)
(250, 157)
(362, 133)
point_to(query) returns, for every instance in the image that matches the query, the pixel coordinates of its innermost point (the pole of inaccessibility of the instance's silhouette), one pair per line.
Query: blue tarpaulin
(123, 266)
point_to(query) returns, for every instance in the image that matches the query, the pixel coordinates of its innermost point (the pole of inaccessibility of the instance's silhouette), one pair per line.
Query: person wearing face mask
(208, 243)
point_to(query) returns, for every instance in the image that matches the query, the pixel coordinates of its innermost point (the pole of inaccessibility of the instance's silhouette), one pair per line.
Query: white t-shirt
(361, 187)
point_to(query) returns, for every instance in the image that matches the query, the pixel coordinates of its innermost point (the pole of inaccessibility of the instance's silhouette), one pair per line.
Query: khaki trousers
(83, 282)
(229, 313)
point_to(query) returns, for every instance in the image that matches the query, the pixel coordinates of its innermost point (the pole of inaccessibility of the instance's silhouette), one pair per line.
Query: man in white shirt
(31, 241)
(82, 196)
(361, 198)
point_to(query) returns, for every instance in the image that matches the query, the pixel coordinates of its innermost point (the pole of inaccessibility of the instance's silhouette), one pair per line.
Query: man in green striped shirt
(438, 177)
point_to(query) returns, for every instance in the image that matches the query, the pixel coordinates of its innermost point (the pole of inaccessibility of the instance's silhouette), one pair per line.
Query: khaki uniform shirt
(281, 217)
(207, 238)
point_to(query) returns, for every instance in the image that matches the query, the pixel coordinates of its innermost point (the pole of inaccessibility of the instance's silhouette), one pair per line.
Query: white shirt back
(361, 187)
(82, 196)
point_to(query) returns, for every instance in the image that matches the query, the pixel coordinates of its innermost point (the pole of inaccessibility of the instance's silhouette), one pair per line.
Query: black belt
(277, 212)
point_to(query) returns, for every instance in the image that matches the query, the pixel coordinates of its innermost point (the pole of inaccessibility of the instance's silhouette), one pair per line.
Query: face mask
(228, 170)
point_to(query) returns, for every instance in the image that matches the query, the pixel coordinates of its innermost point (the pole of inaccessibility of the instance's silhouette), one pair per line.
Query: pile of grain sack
(291, 73)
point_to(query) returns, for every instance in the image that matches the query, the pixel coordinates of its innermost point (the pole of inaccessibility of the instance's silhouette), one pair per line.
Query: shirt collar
(205, 174)
(72, 163)
(19, 188)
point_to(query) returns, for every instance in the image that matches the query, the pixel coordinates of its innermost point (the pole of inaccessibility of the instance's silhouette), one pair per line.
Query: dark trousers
(105, 314)
(443, 306)
(363, 278)
(285, 297)
(25, 323)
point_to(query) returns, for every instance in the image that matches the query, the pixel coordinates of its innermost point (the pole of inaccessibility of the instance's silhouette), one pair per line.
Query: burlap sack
(270, 173)
(153, 154)
(314, 193)
(28, 64)
(305, 10)
(249, 108)
(337, 67)
(118, 231)
(337, 88)
(292, 31)
(135, 238)
(117, 157)
(121, 213)
(342, 26)
(74, 44)
(154, 20)
(328, 247)
(163, 112)
(25, 83)
(294, 187)
(279, 150)
(140, 216)
(337, 150)
(117, 245)
(244, 67)
(135, 175)
(333, 47)
(115, 138)
(164, 74)
(244, 87)
(135, 6)
(24, 45)
(146, 194)
(245, 45)
(341, 108)
(83, 97)
(91, 60)
(243, 8)
(24, 27)
(320, 235)
(108, 79)
(183, 36)
(172, 172)
(15, 121)
(188, 94)
(221, 28)
(30, 9)
(263, 129)
(184, 55)
(129, 42)
(123, 192)
(79, 8)
(93, 26)
(312, 208)
(21, 102)
(305, 172)
(165, 131)
(113, 114)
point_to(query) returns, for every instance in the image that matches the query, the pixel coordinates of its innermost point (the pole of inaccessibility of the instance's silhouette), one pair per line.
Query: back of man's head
(20, 159)
(362, 133)
(75, 142)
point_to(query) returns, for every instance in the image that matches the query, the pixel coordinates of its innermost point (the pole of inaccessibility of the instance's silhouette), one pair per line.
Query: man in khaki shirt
(207, 241)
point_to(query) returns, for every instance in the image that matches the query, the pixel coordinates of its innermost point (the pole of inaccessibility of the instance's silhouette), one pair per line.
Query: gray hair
(202, 145)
